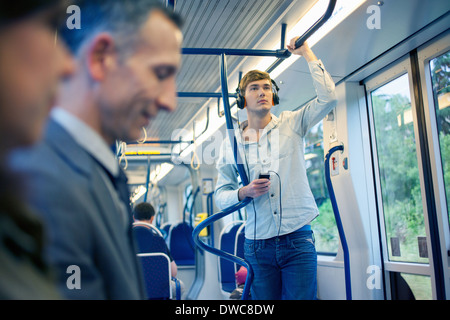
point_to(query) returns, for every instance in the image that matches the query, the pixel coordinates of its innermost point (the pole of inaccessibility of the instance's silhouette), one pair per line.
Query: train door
(409, 113)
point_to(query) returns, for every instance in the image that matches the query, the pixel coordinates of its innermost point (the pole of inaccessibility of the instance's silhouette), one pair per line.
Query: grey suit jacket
(92, 251)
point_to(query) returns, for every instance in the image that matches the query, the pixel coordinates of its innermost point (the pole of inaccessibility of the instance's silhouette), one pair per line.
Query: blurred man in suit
(127, 55)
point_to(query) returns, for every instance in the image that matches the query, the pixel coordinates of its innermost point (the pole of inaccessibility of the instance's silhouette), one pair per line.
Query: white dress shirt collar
(87, 138)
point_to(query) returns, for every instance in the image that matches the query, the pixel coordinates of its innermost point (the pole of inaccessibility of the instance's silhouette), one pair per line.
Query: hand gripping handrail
(348, 285)
(241, 170)
(307, 34)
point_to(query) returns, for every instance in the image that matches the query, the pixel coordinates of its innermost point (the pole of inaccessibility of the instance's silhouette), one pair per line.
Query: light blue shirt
(280, 149)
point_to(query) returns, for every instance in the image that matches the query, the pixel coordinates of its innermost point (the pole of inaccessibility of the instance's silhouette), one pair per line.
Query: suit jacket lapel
(85, 164)
(69, 150)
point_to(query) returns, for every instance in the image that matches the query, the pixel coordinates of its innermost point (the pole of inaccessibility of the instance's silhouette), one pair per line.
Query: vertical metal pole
(147, 180)
(230, 128)
(348, 283)
(283, 36)
(171, 4)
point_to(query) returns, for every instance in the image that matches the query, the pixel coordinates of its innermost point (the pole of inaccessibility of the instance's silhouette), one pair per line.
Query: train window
(406, 286)
(324, 226)
(440, 77)
(398, 170)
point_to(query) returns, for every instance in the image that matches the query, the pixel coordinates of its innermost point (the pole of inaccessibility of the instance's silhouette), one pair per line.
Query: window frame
(391, 72)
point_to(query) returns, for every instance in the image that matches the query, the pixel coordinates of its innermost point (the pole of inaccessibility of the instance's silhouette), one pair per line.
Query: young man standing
(279, 243)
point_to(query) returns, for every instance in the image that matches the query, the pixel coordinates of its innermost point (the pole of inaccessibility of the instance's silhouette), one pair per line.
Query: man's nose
(167, 100)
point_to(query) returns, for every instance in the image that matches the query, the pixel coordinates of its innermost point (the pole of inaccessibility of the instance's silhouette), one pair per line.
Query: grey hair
(123, 19)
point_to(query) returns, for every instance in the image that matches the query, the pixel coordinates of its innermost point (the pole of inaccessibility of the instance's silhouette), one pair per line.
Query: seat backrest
(157, 275)
(148, 226)
(165, 228)
(148, 240)
(182, 245)
(227, 243)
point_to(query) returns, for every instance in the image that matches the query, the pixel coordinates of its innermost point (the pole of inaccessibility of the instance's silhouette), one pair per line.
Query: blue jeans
(284, 267)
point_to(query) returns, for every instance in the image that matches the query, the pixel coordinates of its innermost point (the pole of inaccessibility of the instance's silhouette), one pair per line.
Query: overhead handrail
(282, 53)
(306, 35)
(348, 285)
(164, 142)
(187, 94)
(316, 25)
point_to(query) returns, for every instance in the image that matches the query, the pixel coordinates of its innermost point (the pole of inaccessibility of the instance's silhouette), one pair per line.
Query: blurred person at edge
(32, 62)
(127, 54)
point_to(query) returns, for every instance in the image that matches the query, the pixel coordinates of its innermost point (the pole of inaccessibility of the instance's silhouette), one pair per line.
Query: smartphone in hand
(264, 176)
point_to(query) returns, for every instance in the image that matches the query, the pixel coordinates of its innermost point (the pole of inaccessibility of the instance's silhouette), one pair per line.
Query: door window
(440, 77)
(398, 170)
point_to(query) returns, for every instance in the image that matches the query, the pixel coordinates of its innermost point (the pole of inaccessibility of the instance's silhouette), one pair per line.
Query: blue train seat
(181, 244)
(165, 228)
(156, 271)
(148, 237)
(227, 243)
(151, 245)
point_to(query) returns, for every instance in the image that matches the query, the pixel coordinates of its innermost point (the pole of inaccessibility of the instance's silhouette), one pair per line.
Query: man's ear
(101, 56)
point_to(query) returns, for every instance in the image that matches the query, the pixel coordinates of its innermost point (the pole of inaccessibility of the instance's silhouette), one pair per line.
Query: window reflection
(398, 169)
(440, 76)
